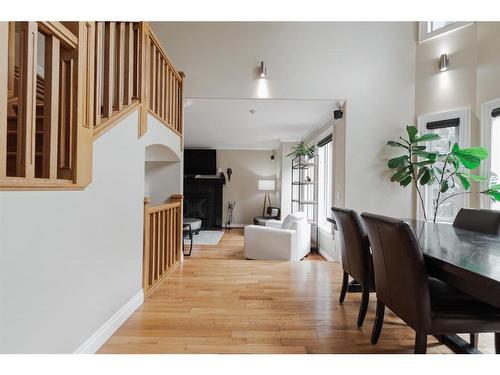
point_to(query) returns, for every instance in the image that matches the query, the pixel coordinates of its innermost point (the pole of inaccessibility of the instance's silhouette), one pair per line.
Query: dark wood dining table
(466, 260)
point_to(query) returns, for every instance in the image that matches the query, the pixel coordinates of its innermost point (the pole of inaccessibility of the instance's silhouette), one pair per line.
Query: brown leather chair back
(400, 275)
(354, 245)
(484, 221)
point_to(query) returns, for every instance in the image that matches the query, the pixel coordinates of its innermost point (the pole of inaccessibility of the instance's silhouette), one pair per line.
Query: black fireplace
(203, 187)
(203, 200)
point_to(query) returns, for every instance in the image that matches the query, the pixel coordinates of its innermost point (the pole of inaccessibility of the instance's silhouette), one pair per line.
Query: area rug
(206, 237)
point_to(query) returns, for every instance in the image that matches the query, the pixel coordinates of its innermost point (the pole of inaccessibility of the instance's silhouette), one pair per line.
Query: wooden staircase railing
(163, 85)
(162, 241)
(91, 75)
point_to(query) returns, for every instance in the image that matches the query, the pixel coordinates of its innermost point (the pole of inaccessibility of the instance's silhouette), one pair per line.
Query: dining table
(466, 260)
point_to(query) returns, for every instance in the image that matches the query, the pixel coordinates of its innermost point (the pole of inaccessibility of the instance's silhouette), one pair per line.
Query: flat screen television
(200, 161)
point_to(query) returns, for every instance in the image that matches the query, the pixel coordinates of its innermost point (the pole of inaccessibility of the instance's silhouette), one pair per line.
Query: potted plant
(420, 167)
(303, 150)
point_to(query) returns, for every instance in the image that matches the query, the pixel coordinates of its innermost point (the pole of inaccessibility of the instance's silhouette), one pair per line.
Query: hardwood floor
(218, 302)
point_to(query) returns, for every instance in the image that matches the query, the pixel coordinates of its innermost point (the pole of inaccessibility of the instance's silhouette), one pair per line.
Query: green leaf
(427, 155)
(479, 152)
(426, 177)
(444, 186)
(469, 161)
(398, 162)
(421, 172)
(400, 175)
(495, 195)
(474, 177)
(406, 181)
(463, 179)
(396, 144)
(418, 148)
(424, 162)
(427, 137)
(412, 132)
(455, 148)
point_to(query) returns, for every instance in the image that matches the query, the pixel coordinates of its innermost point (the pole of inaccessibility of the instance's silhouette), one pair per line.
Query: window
(325, 182)
(452, 127)
(490, 122)
(431, 29)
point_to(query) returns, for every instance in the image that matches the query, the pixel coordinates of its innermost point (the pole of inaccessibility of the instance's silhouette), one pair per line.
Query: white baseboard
(325, 255)
(238, 225)
(99, 337)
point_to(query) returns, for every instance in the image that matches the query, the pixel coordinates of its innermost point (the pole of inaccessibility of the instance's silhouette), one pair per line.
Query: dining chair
(478, 220)
(356, 256)
(426, 304)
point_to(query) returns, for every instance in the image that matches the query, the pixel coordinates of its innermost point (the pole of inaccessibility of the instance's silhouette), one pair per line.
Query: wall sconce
(262, 70)
(229, 173)
(444, 62)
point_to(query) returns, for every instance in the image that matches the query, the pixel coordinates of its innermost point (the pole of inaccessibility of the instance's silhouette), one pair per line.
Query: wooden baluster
(170, 239)
(163, 247)
(158, 246)
(12, 59)
(109, 67)
(160, 87)
(27, 100)
(128, 92)
(154, 248)
(66, 117)
(152, 84)
(172, 99)
(120, 66)
(51, 107)
(176, 103)
(90, 51)
(4, 88)
(157, 82)
(146, 244)
(98, 75)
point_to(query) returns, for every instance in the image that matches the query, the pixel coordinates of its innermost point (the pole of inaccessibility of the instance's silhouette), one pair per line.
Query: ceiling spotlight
(262, 70)
(444, 62)
(252, 111)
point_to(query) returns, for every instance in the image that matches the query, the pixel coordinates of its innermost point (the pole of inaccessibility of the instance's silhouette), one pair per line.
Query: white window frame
(326, 227)
(486, 124)
(463, 141)
(424, 34)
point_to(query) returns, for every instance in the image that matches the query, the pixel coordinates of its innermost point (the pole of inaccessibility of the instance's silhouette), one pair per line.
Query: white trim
(233, 225)
(485, 128)
(464, 141)
(424, 35)
(104, 332)
(327, 256)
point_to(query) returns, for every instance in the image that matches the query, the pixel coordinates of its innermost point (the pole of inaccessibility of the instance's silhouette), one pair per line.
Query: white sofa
(286, 240)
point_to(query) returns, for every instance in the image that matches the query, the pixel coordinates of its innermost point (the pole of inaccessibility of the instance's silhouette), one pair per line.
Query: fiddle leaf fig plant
(421, 167)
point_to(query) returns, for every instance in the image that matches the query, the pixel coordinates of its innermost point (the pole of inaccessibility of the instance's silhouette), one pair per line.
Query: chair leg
(474, 339)
(364, 305)
(345, 284)
(497, 342)
(420, 343)
(379, 321)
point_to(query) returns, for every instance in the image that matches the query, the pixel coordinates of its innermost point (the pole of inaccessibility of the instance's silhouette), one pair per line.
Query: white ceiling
(229, 124)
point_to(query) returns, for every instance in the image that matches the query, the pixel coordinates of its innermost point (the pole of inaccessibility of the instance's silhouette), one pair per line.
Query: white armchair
(287, 240)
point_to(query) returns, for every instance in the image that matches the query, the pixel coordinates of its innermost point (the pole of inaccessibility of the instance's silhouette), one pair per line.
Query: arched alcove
(162, 173)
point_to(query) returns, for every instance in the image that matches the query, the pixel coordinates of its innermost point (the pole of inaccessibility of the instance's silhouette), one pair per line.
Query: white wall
(371, 65)
(249, 166)
(162, 179)
(69, 260)
(472, 79)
